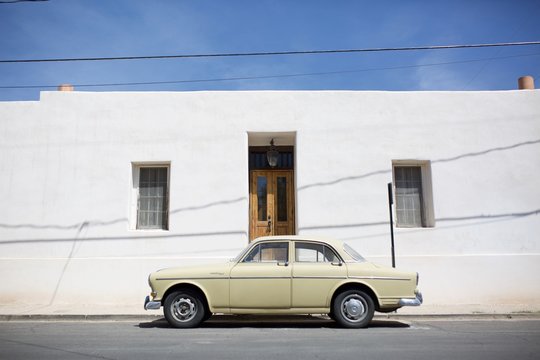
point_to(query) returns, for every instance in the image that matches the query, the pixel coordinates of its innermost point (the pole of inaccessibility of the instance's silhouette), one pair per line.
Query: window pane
(269, 252)
(274, 252)
(330, 255)
(152, 205)
(254, 255)
(261, 198)
(409, 208)
(258, 160)
(282, 198)
(308, 252)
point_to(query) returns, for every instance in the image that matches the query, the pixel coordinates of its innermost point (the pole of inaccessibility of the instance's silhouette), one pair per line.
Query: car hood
(195, 271)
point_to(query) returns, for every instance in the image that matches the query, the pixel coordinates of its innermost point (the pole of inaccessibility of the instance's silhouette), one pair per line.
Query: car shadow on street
(248, 321)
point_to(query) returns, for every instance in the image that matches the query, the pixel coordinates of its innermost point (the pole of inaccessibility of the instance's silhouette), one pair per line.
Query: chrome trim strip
(288, 277)
(259, 277)
(379, 278)
(227, 278)
(319, 277)
(195, 278)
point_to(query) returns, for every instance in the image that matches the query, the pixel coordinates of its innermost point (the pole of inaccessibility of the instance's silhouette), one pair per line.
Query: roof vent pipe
(526, 83)
(65, 87)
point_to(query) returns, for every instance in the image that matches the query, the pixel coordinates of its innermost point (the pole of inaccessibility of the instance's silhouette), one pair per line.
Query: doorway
(271, 203)
(271, 187)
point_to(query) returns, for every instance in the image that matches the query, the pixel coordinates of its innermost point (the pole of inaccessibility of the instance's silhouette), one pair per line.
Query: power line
(18, 1)
(275, 53)
(269, 76)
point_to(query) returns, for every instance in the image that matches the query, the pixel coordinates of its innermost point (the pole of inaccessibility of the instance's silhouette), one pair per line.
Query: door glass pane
(308, 252)
(269, 252)
(275, 252)
(282, 198)
(261, 198)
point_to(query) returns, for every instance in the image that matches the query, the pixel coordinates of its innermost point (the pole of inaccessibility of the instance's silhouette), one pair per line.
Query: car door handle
(286, 263)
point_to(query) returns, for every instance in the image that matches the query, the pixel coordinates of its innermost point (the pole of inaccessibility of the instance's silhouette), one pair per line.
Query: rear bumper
(151, 305)
(412, 302)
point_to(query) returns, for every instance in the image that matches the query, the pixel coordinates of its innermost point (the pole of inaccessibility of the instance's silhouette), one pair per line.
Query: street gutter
(270, 319)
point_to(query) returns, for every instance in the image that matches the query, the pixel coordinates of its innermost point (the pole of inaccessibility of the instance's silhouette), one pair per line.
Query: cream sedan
(284, 275)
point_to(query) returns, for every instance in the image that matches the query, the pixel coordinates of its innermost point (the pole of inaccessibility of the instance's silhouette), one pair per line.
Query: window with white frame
(151, 189)
(413, 195)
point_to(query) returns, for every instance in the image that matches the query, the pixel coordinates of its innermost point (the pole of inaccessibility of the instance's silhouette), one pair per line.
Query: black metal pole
(390, 202)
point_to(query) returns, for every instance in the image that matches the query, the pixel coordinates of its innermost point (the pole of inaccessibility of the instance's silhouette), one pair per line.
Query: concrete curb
(268, 318)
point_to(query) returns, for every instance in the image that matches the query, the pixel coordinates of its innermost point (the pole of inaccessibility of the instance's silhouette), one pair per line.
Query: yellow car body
(284, 275)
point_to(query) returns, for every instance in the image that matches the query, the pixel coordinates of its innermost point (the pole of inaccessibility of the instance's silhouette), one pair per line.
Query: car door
(316, 271)
(262, 279)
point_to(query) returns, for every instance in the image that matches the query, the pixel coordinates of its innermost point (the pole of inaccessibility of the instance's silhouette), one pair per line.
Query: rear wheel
(184, 309)
(353, 309)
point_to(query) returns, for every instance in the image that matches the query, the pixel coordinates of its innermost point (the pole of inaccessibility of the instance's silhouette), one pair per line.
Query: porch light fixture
(272, 155)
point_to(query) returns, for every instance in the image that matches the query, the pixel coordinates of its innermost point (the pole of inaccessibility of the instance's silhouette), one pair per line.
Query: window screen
(409, 202)
(153, 198)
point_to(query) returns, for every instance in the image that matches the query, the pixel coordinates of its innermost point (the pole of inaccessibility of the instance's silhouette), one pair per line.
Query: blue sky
(85, 28)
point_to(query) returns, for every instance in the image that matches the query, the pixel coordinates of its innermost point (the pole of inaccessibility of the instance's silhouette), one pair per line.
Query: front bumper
(151, 305)
(412, 302)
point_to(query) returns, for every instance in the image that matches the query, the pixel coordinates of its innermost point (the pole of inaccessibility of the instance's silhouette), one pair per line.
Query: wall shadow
(120, 238)
(115, 221)
(443, 160)
(95, 223)
(88, 224)
(506, 216)
(206, 206)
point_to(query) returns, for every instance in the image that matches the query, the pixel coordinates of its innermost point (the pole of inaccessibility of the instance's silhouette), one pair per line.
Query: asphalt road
(307, 339)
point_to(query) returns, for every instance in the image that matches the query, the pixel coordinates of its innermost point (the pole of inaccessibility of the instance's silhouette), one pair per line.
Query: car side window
(269, 252)
(309, 252)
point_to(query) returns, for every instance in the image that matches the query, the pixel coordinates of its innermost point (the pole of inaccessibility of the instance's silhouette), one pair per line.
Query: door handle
(269, 222)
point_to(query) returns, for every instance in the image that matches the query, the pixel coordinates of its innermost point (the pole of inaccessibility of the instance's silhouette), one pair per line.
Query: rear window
(352, 253)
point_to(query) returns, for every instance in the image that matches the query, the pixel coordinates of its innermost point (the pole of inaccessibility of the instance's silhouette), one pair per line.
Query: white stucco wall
(66, 170)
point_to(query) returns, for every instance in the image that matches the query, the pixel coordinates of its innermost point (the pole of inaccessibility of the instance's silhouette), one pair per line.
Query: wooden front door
(271, 203)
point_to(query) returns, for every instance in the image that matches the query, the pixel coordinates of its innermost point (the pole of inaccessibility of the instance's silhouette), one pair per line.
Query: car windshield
(239, 256)
(352, 253)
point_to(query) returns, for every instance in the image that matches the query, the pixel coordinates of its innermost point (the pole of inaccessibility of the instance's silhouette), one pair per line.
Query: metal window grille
(152, 206)
(409, 201)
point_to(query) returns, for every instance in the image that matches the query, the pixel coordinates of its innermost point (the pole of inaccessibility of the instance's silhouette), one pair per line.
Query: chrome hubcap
(184, 309)
(354, 308)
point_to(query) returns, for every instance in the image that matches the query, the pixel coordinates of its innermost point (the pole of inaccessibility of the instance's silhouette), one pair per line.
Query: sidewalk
(135, 311)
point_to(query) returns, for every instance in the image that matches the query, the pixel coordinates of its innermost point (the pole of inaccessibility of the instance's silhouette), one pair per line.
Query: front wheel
(353, 309)
(184, 309)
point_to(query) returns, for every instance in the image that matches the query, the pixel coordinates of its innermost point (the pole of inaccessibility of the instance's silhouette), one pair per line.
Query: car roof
(333, 242)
